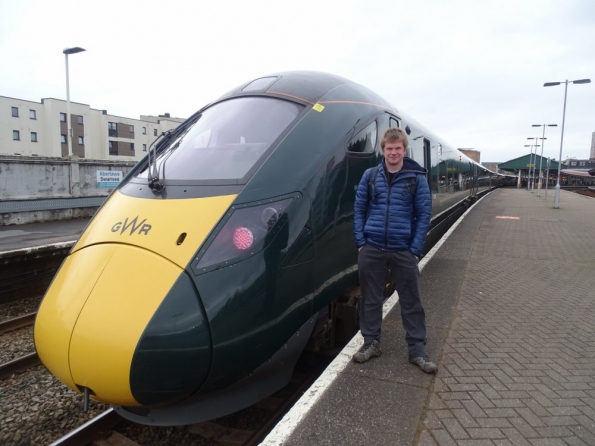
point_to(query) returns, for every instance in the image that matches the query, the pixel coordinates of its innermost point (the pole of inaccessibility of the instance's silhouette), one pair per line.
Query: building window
(63, 139)
(113, 148)
(154, 132)
(112, 129)
(144, 147)
(132, 146)
(33, 136)
(16, 135)
(131, 129)
(15, 112)
(62, 117)
(144, 130)
(32, 114)
(79, 119)
(81, 141)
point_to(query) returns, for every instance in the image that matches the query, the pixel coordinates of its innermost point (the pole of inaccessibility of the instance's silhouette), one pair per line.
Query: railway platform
(18, 237)
(510, 303)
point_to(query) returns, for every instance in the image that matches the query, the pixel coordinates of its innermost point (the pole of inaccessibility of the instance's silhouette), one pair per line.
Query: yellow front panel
(62, 304)
(120, 306)
(156, 224)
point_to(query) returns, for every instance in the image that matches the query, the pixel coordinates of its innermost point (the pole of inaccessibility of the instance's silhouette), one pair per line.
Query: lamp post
(530, 161)
(551, 84)
(66, 52)
(547, 175)
(533, 165)
(543, 138)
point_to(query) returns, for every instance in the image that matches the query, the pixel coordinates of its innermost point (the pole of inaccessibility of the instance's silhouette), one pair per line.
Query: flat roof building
(29, 128)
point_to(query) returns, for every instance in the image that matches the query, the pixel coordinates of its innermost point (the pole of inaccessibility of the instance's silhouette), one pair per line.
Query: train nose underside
(132, 336)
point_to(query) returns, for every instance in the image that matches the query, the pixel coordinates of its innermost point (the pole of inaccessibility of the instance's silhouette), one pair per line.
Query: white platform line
(287, 425)
(32, 249)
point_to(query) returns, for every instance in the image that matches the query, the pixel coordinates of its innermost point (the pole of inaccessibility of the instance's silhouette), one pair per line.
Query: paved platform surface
(511, 323)
(14, 237)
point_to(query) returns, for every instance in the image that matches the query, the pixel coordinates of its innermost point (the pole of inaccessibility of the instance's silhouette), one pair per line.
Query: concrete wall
(34, 179)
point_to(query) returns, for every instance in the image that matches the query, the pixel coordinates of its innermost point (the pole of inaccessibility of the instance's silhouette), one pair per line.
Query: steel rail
(88, 432)
(17, 322)
(19, 364)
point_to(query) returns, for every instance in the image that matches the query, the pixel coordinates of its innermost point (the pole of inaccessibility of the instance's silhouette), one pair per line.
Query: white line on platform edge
(32, 249)
(290, 421)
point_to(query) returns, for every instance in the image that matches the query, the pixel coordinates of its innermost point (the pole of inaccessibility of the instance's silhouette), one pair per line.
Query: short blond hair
(394, 135)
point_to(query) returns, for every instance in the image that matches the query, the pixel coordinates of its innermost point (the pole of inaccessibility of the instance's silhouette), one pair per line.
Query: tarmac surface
(510, 306)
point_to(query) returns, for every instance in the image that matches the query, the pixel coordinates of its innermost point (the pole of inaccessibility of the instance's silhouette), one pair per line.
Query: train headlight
(246, 230)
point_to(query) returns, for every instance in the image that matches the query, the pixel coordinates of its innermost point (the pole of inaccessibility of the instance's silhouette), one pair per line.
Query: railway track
(17, 322)
(108, 425)
(24, 362)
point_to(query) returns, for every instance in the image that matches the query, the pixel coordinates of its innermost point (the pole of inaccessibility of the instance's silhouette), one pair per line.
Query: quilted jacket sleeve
(360, 210)
(422, 210)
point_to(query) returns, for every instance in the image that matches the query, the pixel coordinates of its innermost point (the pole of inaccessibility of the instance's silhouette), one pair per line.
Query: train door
(427, 158)
(336, 255)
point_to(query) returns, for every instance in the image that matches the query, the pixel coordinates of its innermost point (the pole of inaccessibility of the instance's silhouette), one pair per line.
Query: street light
(543, 138)
(530, 160)
(551, 84)
(66, 52)
(535, 161)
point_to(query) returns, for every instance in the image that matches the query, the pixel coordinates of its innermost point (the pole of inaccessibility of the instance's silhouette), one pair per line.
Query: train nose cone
(125, 323)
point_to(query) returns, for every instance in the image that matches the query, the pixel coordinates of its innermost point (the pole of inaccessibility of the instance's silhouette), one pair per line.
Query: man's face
(393, 154)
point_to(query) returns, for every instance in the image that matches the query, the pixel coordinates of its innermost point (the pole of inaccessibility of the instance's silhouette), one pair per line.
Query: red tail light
(243, 238)
(246, 231)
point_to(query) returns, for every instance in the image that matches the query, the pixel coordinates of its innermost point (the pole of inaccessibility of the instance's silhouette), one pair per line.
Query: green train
(198, 283)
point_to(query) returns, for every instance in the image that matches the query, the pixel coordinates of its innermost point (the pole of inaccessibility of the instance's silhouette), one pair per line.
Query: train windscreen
(227, 140)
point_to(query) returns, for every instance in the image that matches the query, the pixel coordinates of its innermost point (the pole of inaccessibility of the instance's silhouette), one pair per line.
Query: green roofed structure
(529, 165)
(524, 164)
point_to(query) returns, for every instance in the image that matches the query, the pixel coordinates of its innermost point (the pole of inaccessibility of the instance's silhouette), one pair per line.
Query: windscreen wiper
(155, 184)
(152, 172)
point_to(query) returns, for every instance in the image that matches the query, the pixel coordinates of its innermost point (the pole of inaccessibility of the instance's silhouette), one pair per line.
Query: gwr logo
(141, 227)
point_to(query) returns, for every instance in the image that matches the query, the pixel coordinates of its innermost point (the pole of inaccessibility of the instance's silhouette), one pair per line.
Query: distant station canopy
(528, 162)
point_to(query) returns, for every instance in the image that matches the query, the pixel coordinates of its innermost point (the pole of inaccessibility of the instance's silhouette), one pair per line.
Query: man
(391, 218)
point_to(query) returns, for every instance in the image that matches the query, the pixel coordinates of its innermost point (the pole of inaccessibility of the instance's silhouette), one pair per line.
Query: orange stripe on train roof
(357, 102)
(331, 102)
(290, 96)
(507, 217)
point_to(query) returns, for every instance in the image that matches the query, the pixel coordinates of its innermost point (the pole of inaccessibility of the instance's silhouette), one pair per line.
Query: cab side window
(365, 140)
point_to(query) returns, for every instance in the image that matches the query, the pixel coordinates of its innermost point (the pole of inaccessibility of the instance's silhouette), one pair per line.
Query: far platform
(13, 237)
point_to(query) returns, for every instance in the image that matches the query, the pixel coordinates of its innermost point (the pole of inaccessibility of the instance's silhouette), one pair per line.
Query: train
(214, 264)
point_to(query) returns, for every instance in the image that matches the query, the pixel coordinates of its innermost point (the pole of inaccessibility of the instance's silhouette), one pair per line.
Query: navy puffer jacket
(396, 221)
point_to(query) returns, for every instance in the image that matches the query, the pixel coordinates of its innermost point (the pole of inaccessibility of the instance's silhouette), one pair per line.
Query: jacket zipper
(390, 185)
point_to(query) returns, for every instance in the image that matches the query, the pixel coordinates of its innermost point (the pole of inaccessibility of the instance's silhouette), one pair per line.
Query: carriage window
(393, 123)
(227, 140)
(365, 140)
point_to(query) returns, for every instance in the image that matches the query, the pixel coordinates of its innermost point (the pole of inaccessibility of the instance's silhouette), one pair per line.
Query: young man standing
(391, 218)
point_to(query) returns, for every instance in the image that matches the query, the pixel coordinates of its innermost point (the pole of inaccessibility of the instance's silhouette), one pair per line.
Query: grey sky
(471, 71)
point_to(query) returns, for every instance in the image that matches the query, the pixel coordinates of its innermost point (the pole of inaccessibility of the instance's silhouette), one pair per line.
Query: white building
(39, 129)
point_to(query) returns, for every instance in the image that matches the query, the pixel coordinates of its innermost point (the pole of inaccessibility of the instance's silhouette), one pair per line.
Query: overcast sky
(471, 71)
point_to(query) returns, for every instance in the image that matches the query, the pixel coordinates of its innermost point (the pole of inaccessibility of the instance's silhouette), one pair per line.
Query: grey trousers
(373, 264)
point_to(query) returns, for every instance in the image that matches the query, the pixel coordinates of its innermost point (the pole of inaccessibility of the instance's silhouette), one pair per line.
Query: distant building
(30, 128)
(475, 155)
(492, 166)
(592, 156)
(580, 165)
